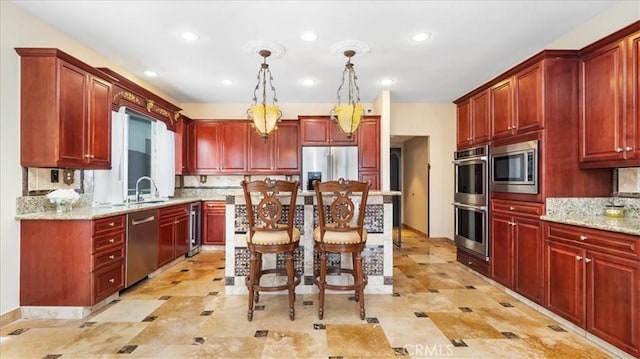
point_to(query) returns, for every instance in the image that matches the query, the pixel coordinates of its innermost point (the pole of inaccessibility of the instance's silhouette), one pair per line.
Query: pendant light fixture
(349, 114)
(265, 116)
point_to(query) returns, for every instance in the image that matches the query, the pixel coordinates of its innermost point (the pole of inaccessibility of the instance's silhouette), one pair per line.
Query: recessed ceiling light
(386, 82)
(190, 36)
(150, 73)
(309, 82)
(309, 36)
(227, 82)
(421, 36)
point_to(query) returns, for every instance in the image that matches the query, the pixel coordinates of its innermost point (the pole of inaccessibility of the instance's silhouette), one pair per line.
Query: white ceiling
(471, 42)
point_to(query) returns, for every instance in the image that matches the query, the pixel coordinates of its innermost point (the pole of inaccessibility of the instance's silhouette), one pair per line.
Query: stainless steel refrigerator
(327, 163)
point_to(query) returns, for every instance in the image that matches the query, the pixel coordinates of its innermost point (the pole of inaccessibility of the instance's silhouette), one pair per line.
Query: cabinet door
(632, 145)
(528, 99)
(480, 117)
(528, 279)
(374, 177)
(501, 249)
(99, 123)
(213, 222)
(260, 153)
(287, 147)
(181, 236)
(234, 144)
(369, 145)
(613, 299)
(179, 151)
(314, 131)
(601, 104)
(165, 240)
(501, 109)
(463, 124)
(564, 281)
(204, 156)
(73, 114)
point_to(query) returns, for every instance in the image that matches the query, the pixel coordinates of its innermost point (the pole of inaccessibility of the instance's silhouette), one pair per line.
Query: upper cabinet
(368, 134)
(181, 140)
(516, 103)
(322, 131)
(217, 147)
(473, 120)
(65, 112)
(280, 153)
(609, 121)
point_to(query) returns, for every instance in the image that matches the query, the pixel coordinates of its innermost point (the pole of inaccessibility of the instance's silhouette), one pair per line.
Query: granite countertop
(101, 211)
(622, 225)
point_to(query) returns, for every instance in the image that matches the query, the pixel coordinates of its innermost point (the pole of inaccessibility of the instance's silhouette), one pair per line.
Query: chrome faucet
(151, 182)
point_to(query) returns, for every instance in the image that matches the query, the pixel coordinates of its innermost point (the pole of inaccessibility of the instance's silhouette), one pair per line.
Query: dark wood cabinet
(609, 123)
(502, 109)
(181, 141)
(368, 134)
(279, 154)
(80, 263)
(473, 262)
(473, 120)
(173, 233)
(65, 111)
(217, 147)
(516, 247)
(213, 222)
(322, 131)
(593, 279)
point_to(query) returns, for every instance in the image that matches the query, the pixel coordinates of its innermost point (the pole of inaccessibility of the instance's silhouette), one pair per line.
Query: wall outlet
(55, 176)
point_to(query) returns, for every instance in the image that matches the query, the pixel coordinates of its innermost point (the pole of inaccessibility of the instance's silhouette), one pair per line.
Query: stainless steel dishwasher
(142, 245)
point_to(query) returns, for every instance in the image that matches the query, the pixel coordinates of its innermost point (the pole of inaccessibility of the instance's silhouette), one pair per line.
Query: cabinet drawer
(518, 208)
(108, 257)
(108, 224)
(610, 242)
(472, 262)
(108, 240)
(175, 211)
(108, 281)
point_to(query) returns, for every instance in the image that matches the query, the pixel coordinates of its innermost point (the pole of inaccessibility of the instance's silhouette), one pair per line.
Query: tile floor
(439, 309)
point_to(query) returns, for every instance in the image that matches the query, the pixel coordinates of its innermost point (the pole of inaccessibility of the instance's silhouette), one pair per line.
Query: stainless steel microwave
(514, 168)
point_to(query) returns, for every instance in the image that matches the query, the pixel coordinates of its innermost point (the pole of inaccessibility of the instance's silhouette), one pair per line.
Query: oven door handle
(474, 159)
(467, 206)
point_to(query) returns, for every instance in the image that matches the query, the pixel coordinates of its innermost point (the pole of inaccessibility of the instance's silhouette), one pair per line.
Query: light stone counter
(621, 225)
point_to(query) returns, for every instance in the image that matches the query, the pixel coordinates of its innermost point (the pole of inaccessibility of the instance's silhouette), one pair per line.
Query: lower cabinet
(71, 263)
(516, 247)
(173, 233)
(213, 222)
(593, 280)
(473, 262)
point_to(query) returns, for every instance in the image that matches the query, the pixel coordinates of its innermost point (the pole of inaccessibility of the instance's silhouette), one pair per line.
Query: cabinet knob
(112, 280)
(583, 238)
(619, 149)
(578, 258)
(112, 224)
(511, 208)
(587, 260)
(628, 148)
(87, 156)
(470, 263)
(112, 257)
(112, 240)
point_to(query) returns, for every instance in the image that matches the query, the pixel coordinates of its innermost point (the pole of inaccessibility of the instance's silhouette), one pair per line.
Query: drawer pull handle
(628, 148)
(111, 224)
(511, 208)
(112, 257)
(587, 260)
(578, 258)
(470, 263)
(112, 280)
(112, 240)
(619, 149)
(583, 238)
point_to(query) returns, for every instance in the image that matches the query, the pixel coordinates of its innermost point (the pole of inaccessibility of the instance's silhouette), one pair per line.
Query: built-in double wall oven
(471, 198)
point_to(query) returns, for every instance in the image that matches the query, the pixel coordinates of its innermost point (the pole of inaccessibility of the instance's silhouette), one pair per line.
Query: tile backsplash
(629, 180)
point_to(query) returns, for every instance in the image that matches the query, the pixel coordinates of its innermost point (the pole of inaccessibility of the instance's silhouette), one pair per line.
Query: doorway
(395, 158)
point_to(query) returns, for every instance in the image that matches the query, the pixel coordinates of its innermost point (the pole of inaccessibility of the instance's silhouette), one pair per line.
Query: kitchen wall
(20, 29)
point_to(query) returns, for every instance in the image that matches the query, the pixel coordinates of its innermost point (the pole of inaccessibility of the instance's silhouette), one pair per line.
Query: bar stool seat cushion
(273, 237)
(336, 237)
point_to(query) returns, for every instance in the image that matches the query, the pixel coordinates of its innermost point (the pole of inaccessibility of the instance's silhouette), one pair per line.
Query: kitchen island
(377, 256)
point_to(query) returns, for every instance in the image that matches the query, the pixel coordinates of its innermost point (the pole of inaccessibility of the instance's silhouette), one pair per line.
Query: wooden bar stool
(342, 232)
(270, 233)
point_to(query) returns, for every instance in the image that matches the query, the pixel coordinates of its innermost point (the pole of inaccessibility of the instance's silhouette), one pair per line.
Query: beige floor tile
(464, 326)
(127, 311)
(357, 340)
